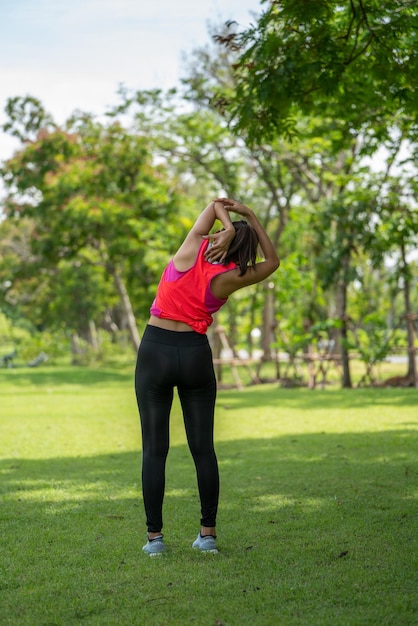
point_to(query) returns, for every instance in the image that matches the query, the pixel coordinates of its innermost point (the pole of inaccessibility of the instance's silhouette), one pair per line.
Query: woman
(175, 352)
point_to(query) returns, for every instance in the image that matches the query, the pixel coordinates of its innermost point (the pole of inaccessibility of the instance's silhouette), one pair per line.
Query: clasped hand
(234, 206)
(218, 248)
(221, 240)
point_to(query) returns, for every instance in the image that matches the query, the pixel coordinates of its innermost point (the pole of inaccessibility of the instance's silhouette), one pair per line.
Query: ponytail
(243, 247)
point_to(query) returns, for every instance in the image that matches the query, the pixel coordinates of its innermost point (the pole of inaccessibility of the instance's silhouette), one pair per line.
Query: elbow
(272, 264)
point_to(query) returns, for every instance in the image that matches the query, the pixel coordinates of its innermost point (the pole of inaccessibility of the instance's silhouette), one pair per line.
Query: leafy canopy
(356, 60)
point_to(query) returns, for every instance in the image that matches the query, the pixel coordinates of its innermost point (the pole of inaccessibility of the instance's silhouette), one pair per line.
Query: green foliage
(6, 337)
(343, 227)
(354, 60)
(27, 343)
(78, 290)
(374, 342)
(54, 345)
(98, 189)
(196, 143)
(95, 197)
(26, 118)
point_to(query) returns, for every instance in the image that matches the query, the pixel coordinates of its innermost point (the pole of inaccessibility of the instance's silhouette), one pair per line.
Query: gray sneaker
(154, 547)
(206, 544)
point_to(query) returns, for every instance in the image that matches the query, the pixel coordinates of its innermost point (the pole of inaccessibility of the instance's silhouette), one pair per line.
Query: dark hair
(243, 247)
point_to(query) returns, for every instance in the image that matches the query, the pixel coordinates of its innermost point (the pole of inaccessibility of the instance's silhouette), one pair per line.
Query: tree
(94, 193)
(354, 63)
(395, 237)
(326, 156)
(354, 60)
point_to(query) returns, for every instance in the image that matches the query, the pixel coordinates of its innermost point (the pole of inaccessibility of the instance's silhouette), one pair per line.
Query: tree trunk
(232, 329)
(93, 336)
(126, 307)
(216, 348)
(342, 315)
(250, 338)
(269, 323)
(75, 349)
(412, 363)
(268, 335)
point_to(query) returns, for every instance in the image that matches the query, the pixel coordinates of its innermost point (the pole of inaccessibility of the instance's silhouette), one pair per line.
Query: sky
(73, 54)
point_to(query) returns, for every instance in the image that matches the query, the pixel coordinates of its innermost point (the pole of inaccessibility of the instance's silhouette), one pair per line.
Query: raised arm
(186, 254)
(271, 260)
(229, 282)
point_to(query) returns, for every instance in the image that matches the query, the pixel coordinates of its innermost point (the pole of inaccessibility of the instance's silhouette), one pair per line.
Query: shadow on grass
(316, 500)
(321, 399)
(268, 474)
(56, 376)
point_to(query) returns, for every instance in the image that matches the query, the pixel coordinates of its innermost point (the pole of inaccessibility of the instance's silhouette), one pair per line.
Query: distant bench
(7, 359)
(234, 362)
(41, 358)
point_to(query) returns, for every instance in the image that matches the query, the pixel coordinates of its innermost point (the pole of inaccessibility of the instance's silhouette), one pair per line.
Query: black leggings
(168, 359)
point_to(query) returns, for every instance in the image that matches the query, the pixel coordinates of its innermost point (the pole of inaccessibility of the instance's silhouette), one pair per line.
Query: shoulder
(187, 254)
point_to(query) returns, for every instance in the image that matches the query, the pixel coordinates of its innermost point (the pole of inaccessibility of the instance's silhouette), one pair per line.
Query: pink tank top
(186, 296)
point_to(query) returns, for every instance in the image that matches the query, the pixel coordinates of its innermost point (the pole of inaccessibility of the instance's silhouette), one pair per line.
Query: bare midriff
(179, 327)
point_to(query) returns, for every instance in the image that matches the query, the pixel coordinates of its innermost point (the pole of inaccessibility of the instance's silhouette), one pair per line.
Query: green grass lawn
(318, 520)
